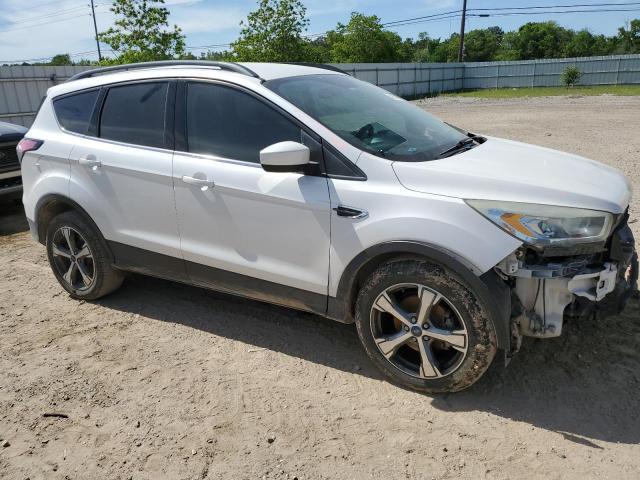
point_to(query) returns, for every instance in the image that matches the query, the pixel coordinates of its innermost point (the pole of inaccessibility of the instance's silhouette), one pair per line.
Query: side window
(229, 123)
(74, 111)
(135, 114)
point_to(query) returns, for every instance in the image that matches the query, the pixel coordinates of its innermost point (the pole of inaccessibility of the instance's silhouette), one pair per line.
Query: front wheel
(424, 327)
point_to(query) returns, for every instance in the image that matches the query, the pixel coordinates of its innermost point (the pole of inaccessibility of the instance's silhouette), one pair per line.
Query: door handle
(350, 212)
(199, 182)
(90, 161)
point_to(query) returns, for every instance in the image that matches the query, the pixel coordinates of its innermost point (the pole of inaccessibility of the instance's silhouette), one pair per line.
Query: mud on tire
(455, 298)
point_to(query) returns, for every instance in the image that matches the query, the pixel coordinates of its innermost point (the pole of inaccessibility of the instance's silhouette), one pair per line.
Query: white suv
(302, 186)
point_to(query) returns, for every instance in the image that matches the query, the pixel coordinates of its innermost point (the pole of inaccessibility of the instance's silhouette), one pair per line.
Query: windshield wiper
(464, 144)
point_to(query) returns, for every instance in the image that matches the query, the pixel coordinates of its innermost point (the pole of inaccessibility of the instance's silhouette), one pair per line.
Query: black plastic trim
(92, 129)
(143, 261)
(169, 116)
(138, 260)
(356, 173)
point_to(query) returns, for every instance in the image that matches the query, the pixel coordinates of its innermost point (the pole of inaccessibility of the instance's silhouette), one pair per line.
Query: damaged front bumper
(546, 290)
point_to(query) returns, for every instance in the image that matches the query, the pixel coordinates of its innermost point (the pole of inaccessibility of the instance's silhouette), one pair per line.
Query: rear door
(121, 173)
(245, 230)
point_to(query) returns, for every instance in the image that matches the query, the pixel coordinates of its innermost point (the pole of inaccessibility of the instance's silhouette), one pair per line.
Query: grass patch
(550, 91)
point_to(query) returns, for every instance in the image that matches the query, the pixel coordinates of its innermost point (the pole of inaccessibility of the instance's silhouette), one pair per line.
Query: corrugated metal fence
(22, 87)
(419, 79)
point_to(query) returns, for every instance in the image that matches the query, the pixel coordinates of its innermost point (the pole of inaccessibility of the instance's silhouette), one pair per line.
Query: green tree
(61, 59)
(317, 51)
(541, 40)
(424, 48)
(571, 76)
(508, 50)
(363, 40)
(584, 44)
(629, 38)
(223, 56)
(273, 33)
(141, 32)
(482, 45)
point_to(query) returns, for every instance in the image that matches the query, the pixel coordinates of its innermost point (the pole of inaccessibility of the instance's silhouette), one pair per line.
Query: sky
(39, 29)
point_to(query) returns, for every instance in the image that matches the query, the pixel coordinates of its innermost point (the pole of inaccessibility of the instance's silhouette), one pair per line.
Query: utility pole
(95, 28)
(464, 14)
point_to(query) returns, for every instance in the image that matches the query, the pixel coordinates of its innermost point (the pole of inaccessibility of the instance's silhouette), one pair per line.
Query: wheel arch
(50, 206)
(488, 286)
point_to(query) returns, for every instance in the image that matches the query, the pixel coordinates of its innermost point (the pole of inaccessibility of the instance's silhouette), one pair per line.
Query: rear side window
(135, 114)
(229, 123)
(74, 111)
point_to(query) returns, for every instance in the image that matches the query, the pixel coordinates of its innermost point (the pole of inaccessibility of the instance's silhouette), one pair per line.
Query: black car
(10, 178)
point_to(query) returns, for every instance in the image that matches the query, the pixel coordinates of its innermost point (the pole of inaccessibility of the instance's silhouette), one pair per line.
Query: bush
(571, 76)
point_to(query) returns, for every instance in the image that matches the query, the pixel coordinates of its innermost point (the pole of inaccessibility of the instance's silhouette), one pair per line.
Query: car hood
(518, 172)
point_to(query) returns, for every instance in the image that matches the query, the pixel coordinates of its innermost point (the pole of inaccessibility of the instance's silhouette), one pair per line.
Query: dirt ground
(161, 380)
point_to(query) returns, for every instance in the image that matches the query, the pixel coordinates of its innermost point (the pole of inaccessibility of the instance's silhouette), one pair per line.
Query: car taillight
(27, 145)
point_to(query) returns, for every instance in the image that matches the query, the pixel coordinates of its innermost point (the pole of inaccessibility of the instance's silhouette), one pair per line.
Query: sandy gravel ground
(162, 380)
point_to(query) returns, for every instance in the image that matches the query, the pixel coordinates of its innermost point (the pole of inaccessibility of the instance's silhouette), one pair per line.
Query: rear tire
(79, 257)
(424, 327)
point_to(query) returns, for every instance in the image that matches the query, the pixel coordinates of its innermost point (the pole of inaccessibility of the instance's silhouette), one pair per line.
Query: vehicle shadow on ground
(583, 385)
(12, 219)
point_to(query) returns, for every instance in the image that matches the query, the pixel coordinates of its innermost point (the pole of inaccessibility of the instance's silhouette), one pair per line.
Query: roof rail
(323, 66)
(229, 66)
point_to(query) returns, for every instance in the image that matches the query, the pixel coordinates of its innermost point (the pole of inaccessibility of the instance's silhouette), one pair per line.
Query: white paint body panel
(517, 172)
(396, 213)
(129, 196)
(267, 225)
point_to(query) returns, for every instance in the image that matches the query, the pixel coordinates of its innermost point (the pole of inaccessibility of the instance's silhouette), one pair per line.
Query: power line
(42, 59)
(574, 5)
(45, 23)
(508, 14)
(20, 20)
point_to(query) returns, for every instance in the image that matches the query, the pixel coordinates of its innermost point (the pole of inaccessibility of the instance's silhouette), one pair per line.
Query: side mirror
(284, 157)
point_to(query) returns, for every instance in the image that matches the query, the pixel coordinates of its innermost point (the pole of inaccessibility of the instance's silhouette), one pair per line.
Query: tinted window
(229, 123)
(135, 114)
(74, 111)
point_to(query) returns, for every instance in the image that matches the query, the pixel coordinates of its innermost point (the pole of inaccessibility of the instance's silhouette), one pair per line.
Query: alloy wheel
(73, 258)
(419, 331)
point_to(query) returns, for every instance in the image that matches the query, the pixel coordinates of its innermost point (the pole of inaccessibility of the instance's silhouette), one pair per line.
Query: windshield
(368, 117)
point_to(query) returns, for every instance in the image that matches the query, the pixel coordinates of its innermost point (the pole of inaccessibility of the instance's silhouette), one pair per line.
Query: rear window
(74, 111)
(135, 114)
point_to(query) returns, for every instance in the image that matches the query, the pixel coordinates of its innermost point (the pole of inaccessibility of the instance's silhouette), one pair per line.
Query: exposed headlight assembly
(542, 225)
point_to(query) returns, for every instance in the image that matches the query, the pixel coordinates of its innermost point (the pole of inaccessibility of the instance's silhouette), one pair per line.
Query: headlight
(546, 224)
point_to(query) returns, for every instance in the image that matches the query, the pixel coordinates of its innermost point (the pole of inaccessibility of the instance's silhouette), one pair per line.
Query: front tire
(424, 327)
(79, 257)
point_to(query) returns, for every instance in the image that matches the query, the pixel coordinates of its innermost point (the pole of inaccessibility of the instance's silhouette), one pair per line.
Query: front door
(244, 230)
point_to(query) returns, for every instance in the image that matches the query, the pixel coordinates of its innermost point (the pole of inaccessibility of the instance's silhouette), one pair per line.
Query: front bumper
(546, 293)
(10, 184)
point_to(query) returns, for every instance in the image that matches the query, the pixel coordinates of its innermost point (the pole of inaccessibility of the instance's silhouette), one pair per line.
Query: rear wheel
(79, 257)
(424, 327)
